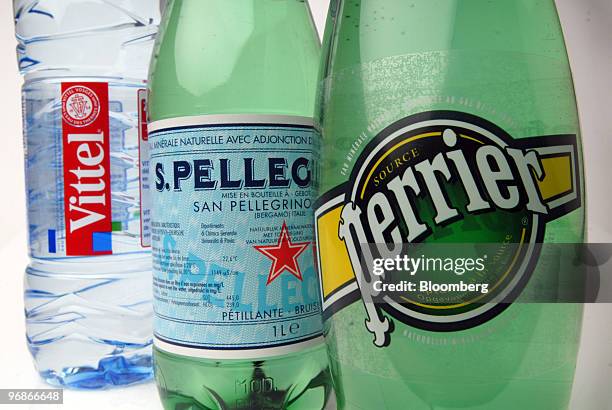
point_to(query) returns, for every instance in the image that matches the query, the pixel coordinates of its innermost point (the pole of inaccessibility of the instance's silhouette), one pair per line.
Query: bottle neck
(230, 57)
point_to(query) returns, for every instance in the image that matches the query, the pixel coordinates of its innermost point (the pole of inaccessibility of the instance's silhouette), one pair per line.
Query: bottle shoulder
(371, 31)
(240, 59)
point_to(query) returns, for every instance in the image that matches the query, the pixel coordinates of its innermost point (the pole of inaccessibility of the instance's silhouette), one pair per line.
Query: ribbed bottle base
(111, 372)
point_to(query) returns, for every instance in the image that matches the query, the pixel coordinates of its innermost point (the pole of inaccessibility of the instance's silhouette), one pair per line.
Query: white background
(588, 29)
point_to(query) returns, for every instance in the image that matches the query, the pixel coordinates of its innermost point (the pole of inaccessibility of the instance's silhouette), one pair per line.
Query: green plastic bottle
(233, 176)
(448, 121)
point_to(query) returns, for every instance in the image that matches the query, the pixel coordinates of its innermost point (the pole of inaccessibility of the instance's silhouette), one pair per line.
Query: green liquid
(501, 60)
(237, 57)
(234, 57)
(299, 381)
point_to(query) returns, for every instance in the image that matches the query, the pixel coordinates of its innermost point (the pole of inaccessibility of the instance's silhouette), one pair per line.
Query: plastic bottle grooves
(87, 315)
(88, 319)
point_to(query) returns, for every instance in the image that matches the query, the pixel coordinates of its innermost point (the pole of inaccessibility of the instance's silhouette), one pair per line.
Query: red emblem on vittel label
(87, 180)
(142, 115)
(144, 169)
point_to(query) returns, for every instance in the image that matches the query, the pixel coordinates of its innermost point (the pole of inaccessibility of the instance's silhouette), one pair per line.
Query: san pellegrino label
(232, 235)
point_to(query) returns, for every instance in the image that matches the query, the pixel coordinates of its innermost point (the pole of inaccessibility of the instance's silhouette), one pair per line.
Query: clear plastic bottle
(87, 290)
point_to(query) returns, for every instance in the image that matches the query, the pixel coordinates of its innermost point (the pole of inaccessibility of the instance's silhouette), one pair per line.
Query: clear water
(88, 319)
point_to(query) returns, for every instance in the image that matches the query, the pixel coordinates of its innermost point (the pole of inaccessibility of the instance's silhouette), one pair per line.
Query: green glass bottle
(232, 172)
(448, 121)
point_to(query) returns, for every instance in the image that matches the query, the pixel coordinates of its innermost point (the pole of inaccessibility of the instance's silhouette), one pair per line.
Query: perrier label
(451, 159)
(425, 173)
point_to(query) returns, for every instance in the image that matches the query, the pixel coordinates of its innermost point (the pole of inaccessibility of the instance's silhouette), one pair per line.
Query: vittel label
(87, 180)
(446, 177)
(144, 171)
(232, 235)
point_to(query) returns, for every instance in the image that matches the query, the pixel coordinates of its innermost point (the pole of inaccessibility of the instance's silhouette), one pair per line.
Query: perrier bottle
(232, 172)
(448, 122)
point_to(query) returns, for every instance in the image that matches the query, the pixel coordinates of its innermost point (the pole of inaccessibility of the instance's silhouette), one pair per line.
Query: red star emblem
(284, 255)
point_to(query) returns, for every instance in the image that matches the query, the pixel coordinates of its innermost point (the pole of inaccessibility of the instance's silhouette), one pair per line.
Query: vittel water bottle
(87, 289)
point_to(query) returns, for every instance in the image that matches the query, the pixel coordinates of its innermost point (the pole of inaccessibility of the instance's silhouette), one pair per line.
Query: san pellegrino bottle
(447, 121)
(232, 158)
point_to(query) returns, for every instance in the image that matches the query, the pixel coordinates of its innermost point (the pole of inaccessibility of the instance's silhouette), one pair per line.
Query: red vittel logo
(87, 180)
